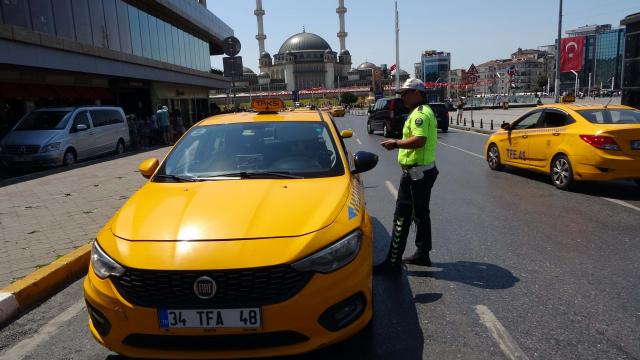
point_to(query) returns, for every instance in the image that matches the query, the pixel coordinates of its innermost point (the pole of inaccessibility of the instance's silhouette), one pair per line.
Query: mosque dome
(304, 41)
(366, 66)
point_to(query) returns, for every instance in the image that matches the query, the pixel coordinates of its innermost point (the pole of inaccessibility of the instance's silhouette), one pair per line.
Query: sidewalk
(44, 218)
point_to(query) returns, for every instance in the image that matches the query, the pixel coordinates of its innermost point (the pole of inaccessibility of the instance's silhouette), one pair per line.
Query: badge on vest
(418, 121)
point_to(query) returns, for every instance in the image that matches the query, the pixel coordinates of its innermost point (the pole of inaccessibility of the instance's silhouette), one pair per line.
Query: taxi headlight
(51, 147)
(334, 257)
(103, 265)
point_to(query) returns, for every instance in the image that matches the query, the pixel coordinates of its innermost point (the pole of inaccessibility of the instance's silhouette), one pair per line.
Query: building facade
(435, 66)
(134, 54)
(631, 64)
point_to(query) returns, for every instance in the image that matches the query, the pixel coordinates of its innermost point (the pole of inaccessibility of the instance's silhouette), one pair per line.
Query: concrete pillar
(329, 75)
(289, 77)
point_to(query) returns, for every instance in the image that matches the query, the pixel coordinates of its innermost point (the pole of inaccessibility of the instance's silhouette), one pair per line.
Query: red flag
(571, 53)
(393, 67)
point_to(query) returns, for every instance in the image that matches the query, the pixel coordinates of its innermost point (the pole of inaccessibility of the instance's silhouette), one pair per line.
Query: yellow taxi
(337, 111)
(250, 239)
(571, 143)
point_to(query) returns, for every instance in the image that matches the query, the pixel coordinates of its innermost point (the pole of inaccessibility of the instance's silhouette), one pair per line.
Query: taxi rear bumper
(605, 166)
(295, 326)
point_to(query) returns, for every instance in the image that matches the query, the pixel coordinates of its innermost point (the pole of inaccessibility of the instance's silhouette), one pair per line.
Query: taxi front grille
(235, 288)
(22, 149)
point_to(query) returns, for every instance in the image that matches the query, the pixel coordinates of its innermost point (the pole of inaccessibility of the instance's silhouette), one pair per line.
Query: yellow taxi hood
(231, 209)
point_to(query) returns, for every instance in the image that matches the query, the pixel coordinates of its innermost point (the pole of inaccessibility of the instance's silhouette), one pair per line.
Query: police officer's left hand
(389, 144)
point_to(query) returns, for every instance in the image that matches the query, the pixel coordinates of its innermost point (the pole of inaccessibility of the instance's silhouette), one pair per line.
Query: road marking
(469, 131)
(500, 334)
(392, 189)
(359, 142)
(623, 203)
(23, 348)
(463, 150)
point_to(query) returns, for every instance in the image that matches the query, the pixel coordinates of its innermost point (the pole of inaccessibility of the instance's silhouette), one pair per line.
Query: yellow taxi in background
(571, 143)
(337, 111)
(250, 239)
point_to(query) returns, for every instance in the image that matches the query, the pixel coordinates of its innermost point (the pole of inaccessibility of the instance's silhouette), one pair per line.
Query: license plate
(249, 318)
(635, 145)
(23, 158)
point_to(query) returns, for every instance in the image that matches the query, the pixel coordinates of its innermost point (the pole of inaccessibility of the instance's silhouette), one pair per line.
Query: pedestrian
(162, 117)
(460, 111)
(179, 122)
(416, 156)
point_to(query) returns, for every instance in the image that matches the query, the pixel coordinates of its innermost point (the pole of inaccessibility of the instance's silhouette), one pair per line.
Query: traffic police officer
(416, 155)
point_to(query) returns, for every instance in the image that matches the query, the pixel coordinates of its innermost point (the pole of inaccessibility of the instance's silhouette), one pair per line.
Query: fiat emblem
(205, 287)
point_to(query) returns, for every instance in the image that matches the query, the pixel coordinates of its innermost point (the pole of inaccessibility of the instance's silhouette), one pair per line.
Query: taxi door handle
(525, 136)
(556, 134)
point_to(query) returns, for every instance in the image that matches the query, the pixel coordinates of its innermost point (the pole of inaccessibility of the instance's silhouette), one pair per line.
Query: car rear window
(611, 116)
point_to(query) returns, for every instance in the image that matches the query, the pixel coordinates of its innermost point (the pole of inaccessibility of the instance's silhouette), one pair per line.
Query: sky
(473, 31)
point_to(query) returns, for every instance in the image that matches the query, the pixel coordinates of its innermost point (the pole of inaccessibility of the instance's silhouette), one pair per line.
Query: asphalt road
(521, 271)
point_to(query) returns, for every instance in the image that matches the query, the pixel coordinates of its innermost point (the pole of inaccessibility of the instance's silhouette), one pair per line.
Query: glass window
(611, 116)
(258, 149)
(81, 119)
(169, 37)
(162, 40)
(97, 23)
(530, 121)
(134, 26)
(191, 51)
(184, 47)
(123, 27)
(63, 18)
(42, 16)
(44, 120)
(153, 35)
(111, 21)
(176, 46)
(81, 21)
(16, 13)
(144, 34)
(556, 119)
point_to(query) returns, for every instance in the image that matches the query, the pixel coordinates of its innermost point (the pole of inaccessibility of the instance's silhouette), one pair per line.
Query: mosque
(306, 60)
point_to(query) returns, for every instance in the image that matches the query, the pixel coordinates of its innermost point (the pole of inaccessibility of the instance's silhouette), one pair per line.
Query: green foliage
(348, 98)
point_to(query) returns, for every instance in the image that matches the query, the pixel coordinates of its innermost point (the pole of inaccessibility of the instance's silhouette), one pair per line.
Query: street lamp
(576, 90)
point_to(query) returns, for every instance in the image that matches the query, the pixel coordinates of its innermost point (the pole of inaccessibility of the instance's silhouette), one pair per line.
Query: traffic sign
(472, 79)
(231, 46)
(232, 66)
(472, 70)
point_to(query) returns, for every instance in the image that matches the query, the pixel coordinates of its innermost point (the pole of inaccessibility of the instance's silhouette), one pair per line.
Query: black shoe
(418, 259)
(387, 268)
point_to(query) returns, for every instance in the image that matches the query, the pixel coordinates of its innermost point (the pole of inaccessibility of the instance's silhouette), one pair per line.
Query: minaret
(259, 13)
(341, 10)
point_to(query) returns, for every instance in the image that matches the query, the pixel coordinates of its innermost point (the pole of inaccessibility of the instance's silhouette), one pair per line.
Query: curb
(486, 132)
(31, 290)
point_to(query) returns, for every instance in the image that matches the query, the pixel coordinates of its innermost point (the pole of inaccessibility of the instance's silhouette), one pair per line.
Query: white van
(62, 136)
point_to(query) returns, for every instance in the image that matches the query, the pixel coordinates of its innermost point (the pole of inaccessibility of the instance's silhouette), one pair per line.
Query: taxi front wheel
(493, 158)
(561, 172)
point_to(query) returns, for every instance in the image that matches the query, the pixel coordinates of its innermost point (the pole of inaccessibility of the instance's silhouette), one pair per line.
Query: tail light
(601, 142)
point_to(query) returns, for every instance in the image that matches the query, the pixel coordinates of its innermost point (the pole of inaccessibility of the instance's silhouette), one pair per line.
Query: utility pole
(397, 49)
(556, 96)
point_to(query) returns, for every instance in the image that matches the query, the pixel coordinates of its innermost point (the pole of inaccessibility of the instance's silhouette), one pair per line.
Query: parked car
(389, 114)
(62, 136)
(337, 111)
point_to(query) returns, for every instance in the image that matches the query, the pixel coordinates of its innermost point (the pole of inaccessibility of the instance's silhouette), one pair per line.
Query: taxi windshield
(611, 116)
(256, 150)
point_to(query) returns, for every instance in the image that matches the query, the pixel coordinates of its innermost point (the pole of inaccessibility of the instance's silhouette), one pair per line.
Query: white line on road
(623, 203)
(470, 132)
(392, 189)
(500, 334)
(463, 150)
(359, 142)
(23, 348)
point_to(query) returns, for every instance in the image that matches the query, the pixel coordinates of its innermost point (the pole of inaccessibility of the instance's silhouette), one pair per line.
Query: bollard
(491, 124)
(450, 120)
(481, 123)
(472, 123)
(465, 122)
(457, 120)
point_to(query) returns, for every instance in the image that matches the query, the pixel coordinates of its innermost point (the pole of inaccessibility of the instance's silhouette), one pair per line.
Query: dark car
(389, 114)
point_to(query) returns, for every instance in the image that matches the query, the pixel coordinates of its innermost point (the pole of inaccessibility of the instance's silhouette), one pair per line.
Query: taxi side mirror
(345, 134)
(148, 167)
(505, 126)
(364, 161)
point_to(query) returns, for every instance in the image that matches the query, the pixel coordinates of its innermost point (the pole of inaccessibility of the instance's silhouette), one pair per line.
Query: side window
(554, 119)
(528, 122)
(387, 104)
(378, 105)
(113, 117)
(98, 118)
(80, 119)
(344, 147)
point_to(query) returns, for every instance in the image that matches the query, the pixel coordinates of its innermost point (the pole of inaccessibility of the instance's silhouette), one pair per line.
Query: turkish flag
(393, 67)
(571, 49)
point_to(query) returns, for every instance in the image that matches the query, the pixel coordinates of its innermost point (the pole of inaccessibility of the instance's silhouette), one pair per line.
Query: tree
(216, 71)
(541, 82)
(348, 98)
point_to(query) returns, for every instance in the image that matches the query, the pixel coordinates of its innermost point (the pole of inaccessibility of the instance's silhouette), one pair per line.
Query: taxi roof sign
(567, 99)
(267, 105)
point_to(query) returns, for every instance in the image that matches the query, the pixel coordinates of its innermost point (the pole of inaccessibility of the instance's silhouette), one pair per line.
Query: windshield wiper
(251, 175)
(180, 178)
